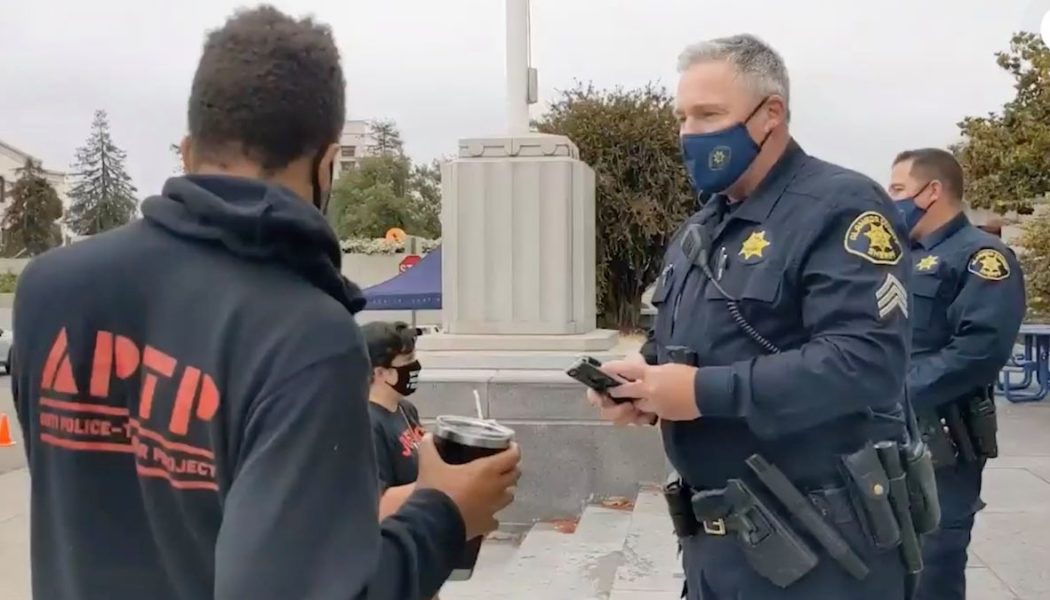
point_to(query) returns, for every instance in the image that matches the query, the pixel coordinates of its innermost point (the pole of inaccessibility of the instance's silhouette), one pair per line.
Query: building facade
(355, 143)
(12, 160)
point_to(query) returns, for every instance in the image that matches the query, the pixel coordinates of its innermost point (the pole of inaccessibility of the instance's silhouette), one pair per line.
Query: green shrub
(8, 281)
(382, 246)
(630, 139)
(1035, 260)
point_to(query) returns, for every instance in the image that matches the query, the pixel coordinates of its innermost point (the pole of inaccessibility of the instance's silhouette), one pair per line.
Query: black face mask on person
(407, 378)
(321, 196)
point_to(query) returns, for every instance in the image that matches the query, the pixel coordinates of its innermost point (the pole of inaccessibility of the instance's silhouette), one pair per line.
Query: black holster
(679, 496)
(959, 432)
(890, 456)
(870, 491)
(963, 430)
(770, 545)
(983, 422)
(922, 486)
(937, 440)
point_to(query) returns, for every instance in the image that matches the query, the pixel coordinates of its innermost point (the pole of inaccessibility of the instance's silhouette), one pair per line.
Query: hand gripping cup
(460, 440)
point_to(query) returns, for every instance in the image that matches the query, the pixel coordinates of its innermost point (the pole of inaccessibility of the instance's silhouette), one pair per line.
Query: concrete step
(496, 553)
(651, 567)
(580, 565)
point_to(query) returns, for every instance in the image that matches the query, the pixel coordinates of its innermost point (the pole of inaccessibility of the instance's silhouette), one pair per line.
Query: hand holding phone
(585, 369)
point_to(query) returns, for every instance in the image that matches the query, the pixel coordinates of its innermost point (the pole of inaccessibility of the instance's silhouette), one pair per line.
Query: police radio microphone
(696, 246)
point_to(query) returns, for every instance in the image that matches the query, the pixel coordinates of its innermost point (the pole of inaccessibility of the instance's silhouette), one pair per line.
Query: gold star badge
(878, 238)
(926, 263)
(754, 245)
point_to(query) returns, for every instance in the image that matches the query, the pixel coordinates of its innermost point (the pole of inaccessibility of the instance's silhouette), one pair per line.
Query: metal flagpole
(518, 66)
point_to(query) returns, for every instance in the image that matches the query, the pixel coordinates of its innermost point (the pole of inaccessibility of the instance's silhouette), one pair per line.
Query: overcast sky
(868, 78)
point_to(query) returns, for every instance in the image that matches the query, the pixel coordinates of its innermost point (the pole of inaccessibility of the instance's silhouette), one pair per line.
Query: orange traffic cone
(5, 432)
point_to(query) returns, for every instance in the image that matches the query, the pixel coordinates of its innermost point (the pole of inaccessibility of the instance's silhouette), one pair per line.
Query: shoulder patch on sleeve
(872, 237)
(990, 264)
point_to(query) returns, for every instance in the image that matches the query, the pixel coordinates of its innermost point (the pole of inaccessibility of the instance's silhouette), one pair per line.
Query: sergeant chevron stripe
(891, 295)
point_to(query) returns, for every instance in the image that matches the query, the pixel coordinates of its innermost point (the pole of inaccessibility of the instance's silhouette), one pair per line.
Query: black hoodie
(193, 392)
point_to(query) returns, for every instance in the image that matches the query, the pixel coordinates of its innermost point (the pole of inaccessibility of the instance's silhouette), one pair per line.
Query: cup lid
(471, 431)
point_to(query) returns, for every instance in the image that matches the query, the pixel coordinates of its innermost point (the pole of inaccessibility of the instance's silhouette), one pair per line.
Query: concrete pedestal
(518, 305)
(518, 257)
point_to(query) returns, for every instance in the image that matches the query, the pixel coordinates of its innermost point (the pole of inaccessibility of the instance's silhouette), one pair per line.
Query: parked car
(7, 341)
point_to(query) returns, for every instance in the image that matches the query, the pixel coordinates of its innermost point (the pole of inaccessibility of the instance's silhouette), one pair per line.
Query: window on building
(347, 165)
(349, 151)
(3, 190)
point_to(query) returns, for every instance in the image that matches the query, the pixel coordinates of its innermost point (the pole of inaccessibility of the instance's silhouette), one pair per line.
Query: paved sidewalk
(1011, 549)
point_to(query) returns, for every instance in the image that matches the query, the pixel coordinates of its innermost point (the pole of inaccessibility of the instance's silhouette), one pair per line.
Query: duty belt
(770, 542)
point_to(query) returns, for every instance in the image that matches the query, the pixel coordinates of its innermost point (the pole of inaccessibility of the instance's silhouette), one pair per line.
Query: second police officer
(777, 359)
(968, 301)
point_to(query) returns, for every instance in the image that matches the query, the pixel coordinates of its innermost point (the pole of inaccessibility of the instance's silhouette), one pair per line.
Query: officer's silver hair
(757, 63)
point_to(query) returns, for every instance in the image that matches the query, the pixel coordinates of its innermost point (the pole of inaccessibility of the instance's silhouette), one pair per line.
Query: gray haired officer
(777, 359)
(968, 302)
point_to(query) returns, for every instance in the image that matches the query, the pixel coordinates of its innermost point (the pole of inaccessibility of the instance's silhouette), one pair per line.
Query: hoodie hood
(257, 221)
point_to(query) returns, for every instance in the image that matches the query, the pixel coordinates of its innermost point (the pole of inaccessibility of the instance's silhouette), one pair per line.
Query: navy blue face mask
(714, 161)
(910, 212)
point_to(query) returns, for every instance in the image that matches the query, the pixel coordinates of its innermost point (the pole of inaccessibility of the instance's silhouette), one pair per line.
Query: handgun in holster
(959, 432)
(980, 414)
(937, 440)
(678, 496)
(772, 548)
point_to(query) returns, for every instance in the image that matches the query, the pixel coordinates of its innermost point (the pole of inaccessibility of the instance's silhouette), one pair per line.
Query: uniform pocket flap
(662, 288)
(925, 286)
(761, 286)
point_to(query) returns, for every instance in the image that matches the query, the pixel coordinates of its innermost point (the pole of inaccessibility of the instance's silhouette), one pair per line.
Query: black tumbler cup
(460, 440)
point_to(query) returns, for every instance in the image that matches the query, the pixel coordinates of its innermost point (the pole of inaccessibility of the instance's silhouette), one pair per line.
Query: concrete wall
(363, 269)
(12, 265)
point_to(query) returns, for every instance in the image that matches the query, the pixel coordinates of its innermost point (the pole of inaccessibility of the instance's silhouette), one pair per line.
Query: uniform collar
(928, 242)
(756, 208)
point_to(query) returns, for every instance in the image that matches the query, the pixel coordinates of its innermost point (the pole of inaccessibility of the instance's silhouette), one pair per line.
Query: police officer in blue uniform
(781, 334)
(968, 302)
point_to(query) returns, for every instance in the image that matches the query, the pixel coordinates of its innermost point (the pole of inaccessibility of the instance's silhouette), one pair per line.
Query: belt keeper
(716, 527)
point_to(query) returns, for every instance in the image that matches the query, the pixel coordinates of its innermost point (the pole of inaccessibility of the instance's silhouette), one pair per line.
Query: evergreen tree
(29, 223)
(387, 138)
(103, 196)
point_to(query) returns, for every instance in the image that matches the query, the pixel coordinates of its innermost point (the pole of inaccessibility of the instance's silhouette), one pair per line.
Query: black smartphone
(585, 370)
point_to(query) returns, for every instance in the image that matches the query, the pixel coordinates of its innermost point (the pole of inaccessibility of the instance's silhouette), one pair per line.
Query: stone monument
(518, 305)
(518, 246)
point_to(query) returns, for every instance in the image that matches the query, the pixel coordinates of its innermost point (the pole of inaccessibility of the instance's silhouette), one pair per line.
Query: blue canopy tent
(418, 288)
